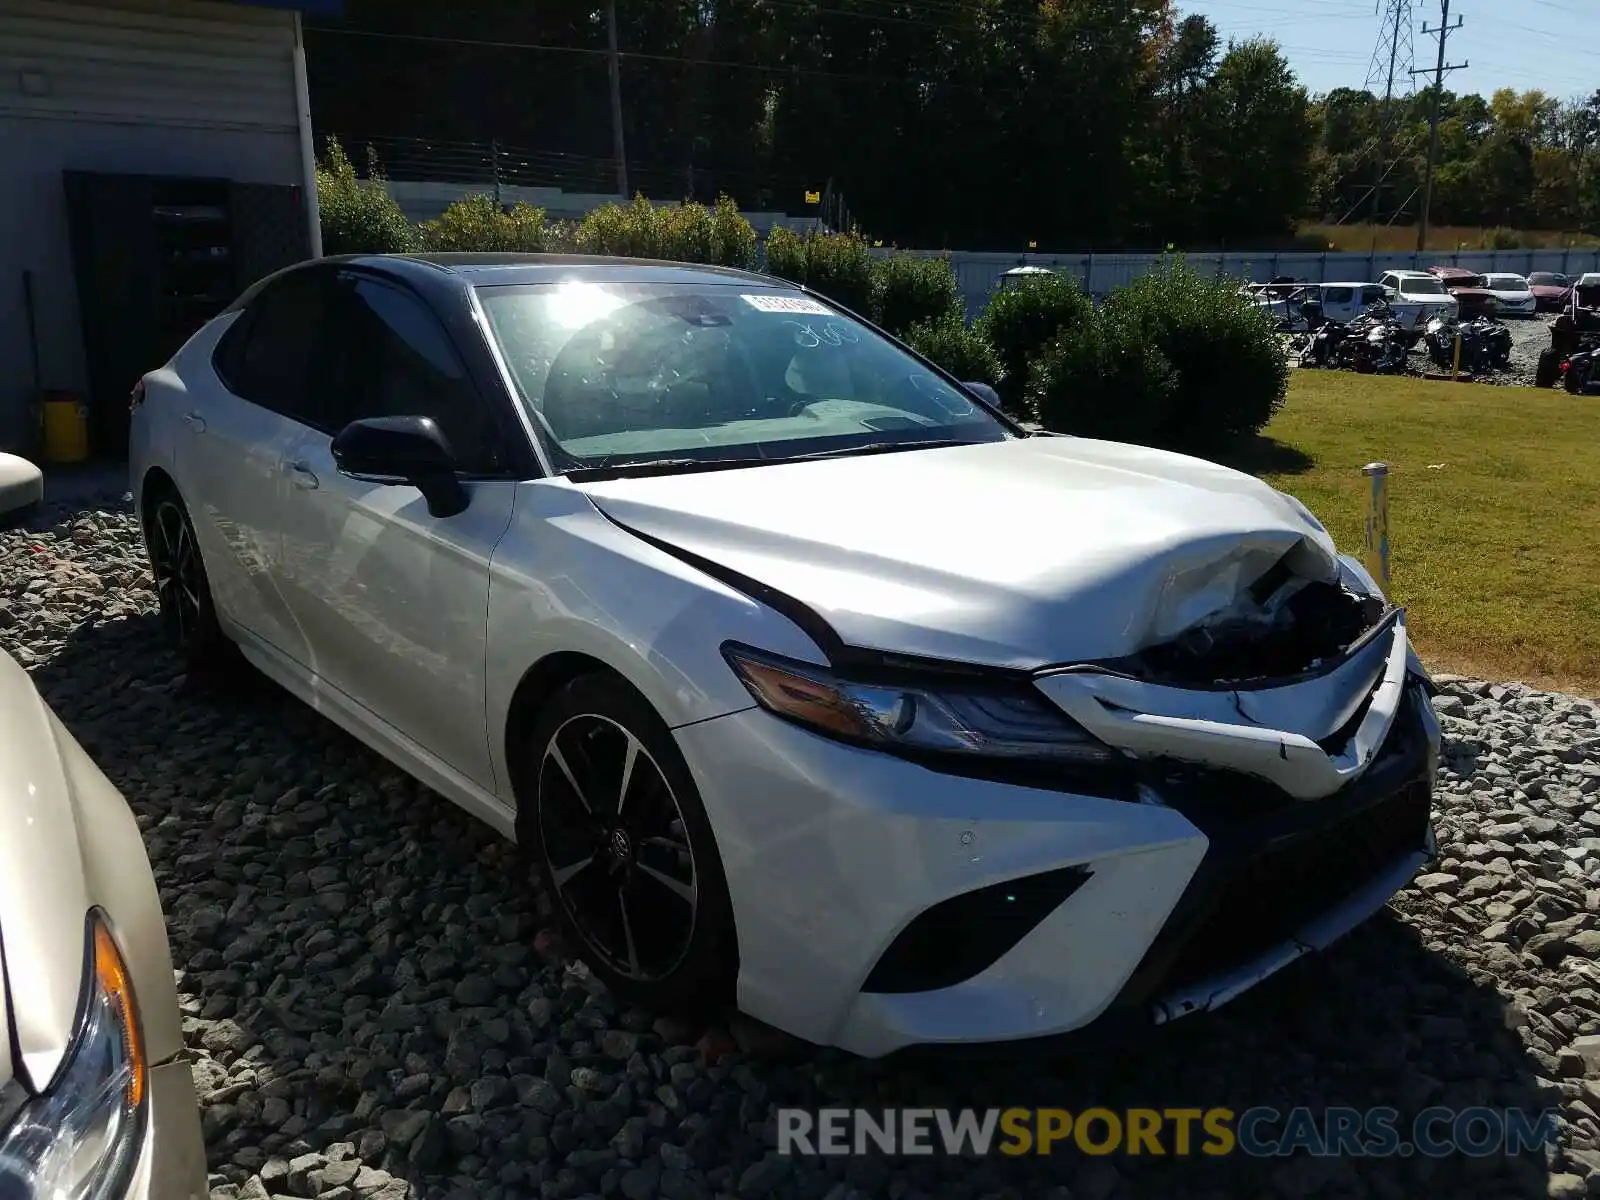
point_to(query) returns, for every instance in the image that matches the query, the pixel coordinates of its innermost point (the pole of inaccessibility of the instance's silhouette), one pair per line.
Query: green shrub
(478, 223)
(1172, 360)
(1101, 378)
(914, 291)
(560, 236)
(1502, 238)
(838, 265)
(949, 342)
(622, 230)
(733, 239)
(686, 233)
(1020, 321)
(1229, 367)
(682, 233)
(358, 215)
(786, 254)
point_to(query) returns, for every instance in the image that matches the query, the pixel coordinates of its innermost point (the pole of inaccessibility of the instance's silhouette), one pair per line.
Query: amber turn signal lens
(115, 982)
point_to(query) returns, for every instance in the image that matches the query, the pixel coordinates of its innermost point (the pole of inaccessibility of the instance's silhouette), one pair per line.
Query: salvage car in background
(692, 582)
(1422, 293)
(1470, 291)
(1550, 289)
(1513, 295)
(96, 1100)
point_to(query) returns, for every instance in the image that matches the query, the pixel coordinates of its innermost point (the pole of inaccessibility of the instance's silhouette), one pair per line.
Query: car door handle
(302, 476)
(195, 421)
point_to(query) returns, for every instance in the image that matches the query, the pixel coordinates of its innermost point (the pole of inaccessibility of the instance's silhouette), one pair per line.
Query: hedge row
(1172, 360)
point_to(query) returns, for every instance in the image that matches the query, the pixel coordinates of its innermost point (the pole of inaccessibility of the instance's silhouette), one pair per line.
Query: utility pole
(618, 148)
(1439, 71)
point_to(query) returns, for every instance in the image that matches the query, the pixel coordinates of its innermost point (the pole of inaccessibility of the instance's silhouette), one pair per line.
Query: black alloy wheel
(616, 847)
(616, 831)
(182, 588)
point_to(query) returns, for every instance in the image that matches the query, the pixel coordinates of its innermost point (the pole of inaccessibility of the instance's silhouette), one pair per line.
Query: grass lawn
(1496, 552)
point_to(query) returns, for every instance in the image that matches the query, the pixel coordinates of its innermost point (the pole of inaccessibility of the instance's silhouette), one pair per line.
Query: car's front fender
(69, 843)
(567, 580)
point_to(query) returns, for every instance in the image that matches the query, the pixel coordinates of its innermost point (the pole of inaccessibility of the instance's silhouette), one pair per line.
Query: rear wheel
(184, 592)
(612, 825)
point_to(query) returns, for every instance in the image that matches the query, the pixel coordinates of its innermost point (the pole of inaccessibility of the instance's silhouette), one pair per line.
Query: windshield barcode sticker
(788, 304)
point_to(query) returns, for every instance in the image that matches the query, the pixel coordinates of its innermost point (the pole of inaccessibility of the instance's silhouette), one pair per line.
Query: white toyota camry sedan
(807, 680)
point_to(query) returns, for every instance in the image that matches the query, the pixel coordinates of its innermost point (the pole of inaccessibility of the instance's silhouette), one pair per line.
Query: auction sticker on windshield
(788, 304)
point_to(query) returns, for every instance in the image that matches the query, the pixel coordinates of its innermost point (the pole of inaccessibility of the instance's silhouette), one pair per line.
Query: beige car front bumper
(172, 1163)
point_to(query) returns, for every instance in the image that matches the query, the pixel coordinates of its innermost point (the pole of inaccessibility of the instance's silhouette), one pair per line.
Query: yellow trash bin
(64, 428)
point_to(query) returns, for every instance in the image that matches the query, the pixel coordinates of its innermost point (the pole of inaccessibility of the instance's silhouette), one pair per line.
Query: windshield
(1421, 287)
(1545, 279)
(1506, 283)
(638, 373)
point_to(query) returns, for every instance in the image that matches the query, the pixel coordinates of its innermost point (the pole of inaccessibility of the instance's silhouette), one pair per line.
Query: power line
(1439, 71)
(1394, 58)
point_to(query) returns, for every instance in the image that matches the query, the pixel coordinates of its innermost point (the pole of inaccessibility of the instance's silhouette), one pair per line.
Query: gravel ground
(376, 1009)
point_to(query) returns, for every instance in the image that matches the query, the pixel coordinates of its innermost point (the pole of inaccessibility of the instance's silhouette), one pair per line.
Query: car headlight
(80, 1139)
(942, 718)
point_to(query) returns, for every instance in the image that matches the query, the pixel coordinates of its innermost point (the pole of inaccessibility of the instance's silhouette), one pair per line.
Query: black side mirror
(410, 450)
(985, 393)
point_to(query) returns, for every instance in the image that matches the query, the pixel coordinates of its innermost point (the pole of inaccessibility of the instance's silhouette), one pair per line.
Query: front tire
(613, 827)
(182, 587)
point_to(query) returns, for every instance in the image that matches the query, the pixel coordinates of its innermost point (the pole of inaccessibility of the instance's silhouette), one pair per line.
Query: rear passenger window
(266, 356)
(1340, 295)
(1371, 295)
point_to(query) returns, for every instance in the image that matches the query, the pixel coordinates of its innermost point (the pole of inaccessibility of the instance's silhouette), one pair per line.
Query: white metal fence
(977, 274)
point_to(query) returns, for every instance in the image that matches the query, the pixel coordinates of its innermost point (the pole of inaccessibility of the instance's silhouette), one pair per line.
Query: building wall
(146, 87)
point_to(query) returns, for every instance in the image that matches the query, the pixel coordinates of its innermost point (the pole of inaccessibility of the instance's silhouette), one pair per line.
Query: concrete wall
(171, 87)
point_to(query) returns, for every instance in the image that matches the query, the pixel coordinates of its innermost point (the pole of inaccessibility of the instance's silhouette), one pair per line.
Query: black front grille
(1261, 898)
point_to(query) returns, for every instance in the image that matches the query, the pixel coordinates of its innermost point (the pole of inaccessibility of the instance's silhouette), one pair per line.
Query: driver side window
(397, 361)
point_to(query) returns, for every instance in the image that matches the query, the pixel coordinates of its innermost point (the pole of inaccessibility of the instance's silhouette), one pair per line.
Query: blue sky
(1549, 44)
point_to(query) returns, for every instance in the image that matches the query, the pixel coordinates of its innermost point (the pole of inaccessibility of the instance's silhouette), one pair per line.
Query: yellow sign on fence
(813, 197)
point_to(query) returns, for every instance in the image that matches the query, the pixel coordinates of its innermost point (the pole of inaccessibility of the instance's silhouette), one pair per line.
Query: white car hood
(1017, 554)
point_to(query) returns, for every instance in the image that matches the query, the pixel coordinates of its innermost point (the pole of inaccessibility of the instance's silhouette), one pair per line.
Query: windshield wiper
(634, 467)
(879, 448)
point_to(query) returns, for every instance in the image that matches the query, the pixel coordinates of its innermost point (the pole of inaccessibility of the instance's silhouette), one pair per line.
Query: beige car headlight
(79, 1140)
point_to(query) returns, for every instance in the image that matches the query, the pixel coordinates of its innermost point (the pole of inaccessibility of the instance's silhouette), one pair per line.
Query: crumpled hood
(43, 891)
(1022, 554)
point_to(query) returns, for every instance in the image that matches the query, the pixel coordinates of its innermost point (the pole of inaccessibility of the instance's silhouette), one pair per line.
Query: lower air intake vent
(962, 936)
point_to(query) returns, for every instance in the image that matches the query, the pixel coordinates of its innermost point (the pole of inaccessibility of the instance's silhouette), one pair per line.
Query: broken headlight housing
(80, 1138)
(933, 718)
(1355, 577)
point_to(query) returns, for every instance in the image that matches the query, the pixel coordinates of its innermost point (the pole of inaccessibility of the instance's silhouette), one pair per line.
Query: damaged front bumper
(1309, 736)
(1354, 750)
